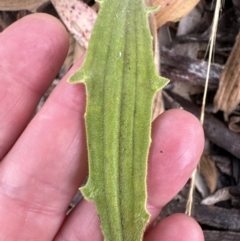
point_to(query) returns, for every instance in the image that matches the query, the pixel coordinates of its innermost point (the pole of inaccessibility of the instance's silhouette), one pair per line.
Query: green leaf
(121, 81)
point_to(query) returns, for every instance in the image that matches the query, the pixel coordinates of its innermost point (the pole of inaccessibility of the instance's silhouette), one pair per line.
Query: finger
(45, 167)
(175, 152)
(82, 224)
(32, 52)
(176, 148)
(178, 227)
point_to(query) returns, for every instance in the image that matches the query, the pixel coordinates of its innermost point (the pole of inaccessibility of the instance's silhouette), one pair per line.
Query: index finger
(30, 60)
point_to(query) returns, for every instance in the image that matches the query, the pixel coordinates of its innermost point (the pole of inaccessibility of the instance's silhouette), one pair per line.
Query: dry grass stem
(212, 40)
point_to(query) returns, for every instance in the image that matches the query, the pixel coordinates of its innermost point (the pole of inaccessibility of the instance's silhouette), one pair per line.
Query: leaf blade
(121, 81)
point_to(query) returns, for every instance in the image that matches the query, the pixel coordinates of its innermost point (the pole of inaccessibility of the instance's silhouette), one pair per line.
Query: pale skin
(44, 159)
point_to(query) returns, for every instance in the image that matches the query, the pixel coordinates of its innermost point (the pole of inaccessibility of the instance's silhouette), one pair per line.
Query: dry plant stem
(190, 201)
(212, 42)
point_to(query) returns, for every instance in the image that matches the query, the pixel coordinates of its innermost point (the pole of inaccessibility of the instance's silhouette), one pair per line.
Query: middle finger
(45, 167)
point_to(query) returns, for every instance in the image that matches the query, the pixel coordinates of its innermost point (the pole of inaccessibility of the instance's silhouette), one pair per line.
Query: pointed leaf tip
(76, 77)
(153, 9)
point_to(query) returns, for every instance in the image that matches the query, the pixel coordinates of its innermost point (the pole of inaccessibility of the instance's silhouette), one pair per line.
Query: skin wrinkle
(13, 193)
(78, 132)
(63, 103)
(63, 192)
(38, 209)
(89, 224)
(183, 156)
(25, 213)
(48, 116)
(9, 111)
(26, 75)
(3, 95)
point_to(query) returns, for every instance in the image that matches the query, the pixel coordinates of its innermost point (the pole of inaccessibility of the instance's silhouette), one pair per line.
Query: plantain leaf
(121, 81)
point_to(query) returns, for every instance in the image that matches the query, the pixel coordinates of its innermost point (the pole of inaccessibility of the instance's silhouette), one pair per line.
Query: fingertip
(34, 48)
(37, 19)
(176, 227)
(178, 120)
(38, 26)
(180, 131)
(175, 151)
(51, 24)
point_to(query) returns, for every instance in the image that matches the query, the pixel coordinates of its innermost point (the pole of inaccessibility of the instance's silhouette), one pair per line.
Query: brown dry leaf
(219, 196)
(71, 51)
(75, 51)
(228, 94)
(201, 185)
(78, 17)
(96, 7)
(78, 52)
(172, 10)
(13, 5)
(158, 106)
(234, 124)
(209, 171)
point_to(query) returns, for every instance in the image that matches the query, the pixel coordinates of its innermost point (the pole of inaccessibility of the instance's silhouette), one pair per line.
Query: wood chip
(221, 235)
(12, 5)
(184, 69)
(234, 124)
(219, 196)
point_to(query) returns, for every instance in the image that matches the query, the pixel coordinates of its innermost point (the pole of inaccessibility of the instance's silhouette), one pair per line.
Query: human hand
(44, 159)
